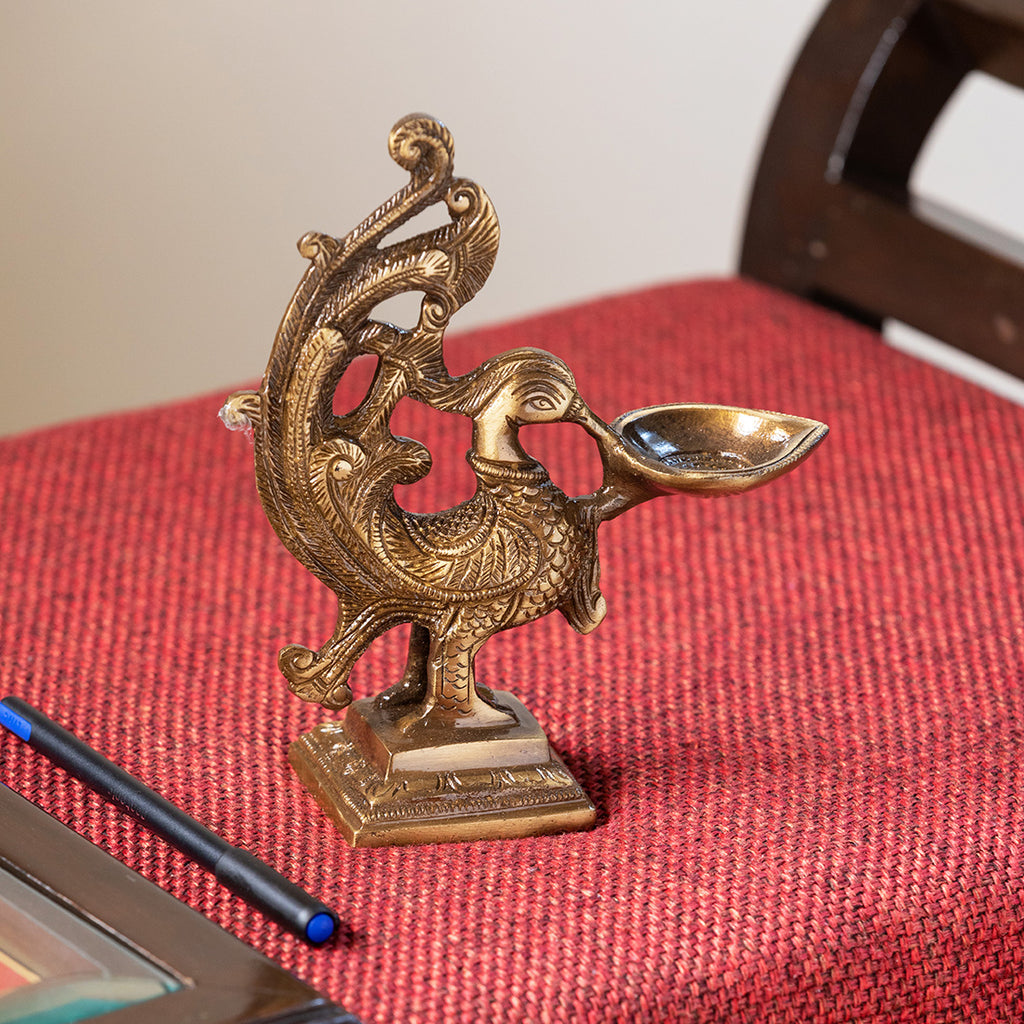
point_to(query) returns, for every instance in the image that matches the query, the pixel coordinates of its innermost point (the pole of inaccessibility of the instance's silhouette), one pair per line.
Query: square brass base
(350, 769)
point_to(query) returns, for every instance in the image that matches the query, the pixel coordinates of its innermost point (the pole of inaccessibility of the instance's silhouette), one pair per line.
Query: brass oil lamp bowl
(710, 449)
(438, 757)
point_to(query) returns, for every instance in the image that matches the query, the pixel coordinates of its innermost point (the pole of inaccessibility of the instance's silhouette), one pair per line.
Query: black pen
(238, 870)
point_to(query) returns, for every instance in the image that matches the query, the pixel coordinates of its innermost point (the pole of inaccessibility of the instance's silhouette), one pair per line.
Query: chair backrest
(831, 215)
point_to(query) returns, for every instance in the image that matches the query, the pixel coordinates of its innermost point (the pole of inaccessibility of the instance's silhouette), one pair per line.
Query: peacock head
(526, 385)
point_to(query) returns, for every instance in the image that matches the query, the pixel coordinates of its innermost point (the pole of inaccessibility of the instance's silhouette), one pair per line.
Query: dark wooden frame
(831, 216)
(223, 980)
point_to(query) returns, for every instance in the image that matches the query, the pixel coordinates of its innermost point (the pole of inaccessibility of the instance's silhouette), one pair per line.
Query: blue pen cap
(320, 928)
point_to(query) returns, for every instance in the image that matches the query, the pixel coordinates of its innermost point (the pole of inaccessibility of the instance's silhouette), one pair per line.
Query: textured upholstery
(801, 721)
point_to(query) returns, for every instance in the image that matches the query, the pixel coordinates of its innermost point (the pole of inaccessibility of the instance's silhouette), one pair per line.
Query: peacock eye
(341, 469)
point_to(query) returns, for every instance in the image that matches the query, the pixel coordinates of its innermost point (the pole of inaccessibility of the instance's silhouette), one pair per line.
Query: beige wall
(161, 159)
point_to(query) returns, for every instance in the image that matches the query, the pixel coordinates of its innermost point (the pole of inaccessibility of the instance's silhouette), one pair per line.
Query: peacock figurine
(518, 549)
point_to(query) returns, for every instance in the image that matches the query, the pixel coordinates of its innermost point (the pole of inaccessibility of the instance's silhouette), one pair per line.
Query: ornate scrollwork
(519, 548)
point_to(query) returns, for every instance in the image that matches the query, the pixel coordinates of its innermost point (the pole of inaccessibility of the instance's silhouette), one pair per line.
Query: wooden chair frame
(831, 215)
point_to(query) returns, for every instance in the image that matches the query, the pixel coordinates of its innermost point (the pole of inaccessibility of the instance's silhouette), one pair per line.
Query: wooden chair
(831, 216)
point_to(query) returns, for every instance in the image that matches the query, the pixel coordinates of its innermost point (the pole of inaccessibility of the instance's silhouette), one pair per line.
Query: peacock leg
(413, 684)
(451, 682)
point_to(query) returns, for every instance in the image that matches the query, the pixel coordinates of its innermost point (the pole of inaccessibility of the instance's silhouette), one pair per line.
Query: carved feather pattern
(509, 554)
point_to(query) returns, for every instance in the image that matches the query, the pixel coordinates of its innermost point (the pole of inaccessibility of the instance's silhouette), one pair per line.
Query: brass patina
(438, 757)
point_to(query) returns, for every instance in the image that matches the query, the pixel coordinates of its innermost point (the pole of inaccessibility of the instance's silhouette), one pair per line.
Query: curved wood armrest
(831, 217)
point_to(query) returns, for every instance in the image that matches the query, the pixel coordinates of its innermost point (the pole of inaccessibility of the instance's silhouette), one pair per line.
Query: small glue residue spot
(233, 419)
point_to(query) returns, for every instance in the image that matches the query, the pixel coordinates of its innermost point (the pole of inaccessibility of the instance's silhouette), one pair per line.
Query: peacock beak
(606, 438)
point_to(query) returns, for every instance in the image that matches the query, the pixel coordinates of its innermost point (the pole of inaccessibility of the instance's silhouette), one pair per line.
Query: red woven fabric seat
(801, 721)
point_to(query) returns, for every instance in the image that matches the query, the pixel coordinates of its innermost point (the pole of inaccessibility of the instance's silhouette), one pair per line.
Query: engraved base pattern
(371, 809)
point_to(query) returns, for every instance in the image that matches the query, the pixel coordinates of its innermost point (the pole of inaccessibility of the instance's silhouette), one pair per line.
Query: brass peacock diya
(438, 757)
